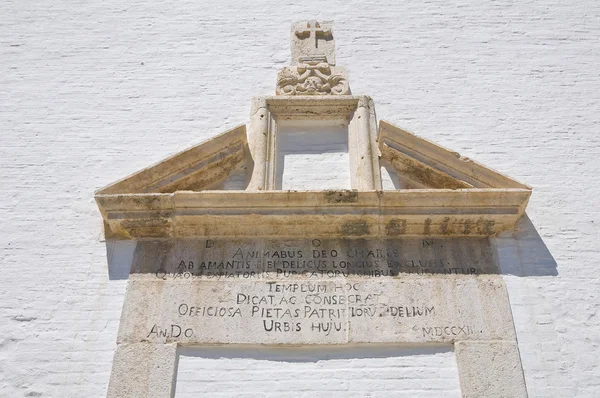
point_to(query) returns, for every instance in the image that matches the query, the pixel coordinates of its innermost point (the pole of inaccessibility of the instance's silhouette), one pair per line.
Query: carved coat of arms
(311, 79)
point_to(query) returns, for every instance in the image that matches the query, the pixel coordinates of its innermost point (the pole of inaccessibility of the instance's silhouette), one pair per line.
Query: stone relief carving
(312, 79)
(313, 70)
(312, 41)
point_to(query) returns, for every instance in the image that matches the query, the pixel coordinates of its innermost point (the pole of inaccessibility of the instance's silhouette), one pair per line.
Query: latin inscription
(293, 307)
(322, 259)
(315, 291)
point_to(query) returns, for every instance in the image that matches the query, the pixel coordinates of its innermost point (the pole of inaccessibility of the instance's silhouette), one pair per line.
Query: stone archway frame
(165, 209)
(171, 302)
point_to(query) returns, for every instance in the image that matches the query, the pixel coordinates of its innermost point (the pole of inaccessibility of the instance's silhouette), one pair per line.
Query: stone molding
(444, 212)
(167, 199)
(362, 148)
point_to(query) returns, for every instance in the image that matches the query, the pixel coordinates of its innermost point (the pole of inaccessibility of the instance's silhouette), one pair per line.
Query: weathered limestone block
(301, 311)
(315, 291)
(312, 41)
(281, 259)
(490, 369)
(143, 369)
(313, 70)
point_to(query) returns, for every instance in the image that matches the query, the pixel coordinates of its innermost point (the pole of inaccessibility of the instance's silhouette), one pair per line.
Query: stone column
(258, 140)
(363, 160)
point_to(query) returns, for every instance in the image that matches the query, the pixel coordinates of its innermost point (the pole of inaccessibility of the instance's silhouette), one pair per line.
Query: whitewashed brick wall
(331, 372)
(93, 91)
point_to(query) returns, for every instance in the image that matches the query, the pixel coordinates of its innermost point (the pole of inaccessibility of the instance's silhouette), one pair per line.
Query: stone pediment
(460, 298)
(200, 167)
(440, 192)
(314, 224)
(422, 164)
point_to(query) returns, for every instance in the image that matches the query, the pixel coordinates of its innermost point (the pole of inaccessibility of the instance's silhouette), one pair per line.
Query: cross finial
(312, 42)
(313, 29)
(313, 70)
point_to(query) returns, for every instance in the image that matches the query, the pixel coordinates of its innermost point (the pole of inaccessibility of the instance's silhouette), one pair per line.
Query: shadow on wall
(524, 253)
(119, 254)
(344, 371)
(313, 354)
(521, 253)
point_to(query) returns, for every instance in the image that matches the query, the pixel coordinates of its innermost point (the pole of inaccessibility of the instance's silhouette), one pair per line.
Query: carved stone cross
(313, 70)
(313, 29)
(312, 43)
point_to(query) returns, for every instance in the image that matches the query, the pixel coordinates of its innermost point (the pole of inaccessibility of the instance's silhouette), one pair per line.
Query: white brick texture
(354, 372)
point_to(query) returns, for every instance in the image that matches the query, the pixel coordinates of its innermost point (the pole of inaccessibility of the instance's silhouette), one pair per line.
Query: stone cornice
(417, 212)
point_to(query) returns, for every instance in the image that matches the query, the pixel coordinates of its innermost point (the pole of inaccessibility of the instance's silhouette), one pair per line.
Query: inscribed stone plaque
(315, 291)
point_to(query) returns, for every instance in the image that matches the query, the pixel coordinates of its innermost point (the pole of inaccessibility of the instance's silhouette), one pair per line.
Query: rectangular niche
(313, 143)
(324, 371)
(312, 155)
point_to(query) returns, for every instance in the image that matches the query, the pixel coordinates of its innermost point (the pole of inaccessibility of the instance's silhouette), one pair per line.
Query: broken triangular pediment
(219, 163)
(394, 183)
(416, 163)
(207, 190)
(302, 210)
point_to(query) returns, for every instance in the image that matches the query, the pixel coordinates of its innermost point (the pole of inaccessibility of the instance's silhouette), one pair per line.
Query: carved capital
(312, 79)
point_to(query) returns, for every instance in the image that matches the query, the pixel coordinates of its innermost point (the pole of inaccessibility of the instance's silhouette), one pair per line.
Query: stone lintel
(161, 308)
(355, 214)
(318, 291)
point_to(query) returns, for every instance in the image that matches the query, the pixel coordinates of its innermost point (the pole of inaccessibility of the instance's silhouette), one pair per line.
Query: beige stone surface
(312, 41)
(143, 370)
(192, 169)
(234, 214)
(435, 166)
(312, 70)
(280, 259)
(315, 292)
(316, 79)
(301, 311)
(167, 200)
(490, 369)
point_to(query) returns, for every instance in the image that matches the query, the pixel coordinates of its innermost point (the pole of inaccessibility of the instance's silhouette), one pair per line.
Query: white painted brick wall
(312, 157)
(93, 91)
(344, 372)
